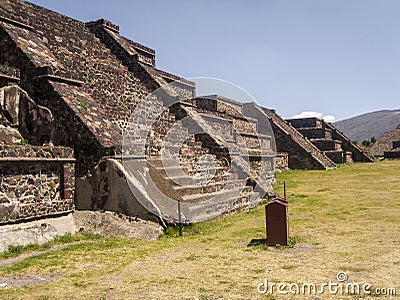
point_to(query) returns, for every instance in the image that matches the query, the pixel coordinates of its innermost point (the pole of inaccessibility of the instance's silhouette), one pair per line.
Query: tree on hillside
(369, 143)
(366, 143)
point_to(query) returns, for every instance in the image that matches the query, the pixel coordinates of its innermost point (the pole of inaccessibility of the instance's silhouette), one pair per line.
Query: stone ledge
(61, 79)
(392, 155)
(9, 73)
(35, 159)
(103, 23)
(16, 23)
(29, 152)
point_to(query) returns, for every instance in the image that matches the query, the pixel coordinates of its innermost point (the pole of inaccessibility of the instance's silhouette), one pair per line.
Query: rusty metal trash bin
(277, 222)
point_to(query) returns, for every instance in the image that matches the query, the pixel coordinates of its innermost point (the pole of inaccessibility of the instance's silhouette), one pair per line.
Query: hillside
(373, 124)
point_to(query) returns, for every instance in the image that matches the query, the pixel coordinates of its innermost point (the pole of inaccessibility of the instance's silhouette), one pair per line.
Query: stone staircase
(196, 170)
(302, 153)
(357, 154)
(249, 140)
(330, 141)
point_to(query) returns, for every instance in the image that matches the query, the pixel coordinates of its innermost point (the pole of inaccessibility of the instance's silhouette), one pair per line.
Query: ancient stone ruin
(302, 154)
(35, 181)
(394, 153)
(75, 85)
(68, 91)
(388, 146)
(333, 143)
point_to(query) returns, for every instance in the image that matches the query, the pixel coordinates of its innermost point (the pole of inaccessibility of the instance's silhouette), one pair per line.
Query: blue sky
(334, 57)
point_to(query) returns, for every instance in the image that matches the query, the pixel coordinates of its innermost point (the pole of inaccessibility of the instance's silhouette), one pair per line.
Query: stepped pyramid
(93, 80)
(332, 142)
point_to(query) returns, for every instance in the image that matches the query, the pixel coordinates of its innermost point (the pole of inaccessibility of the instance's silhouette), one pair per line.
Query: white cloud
(308, 114)
(329, 118)
(314, 114)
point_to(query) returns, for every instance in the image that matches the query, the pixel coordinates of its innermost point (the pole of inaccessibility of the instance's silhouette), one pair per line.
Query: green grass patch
(341, 220)
(14, 251)
(292, 241)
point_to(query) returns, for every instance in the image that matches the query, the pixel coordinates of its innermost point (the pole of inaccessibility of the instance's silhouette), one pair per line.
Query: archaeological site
(388, 146)
(68, 142)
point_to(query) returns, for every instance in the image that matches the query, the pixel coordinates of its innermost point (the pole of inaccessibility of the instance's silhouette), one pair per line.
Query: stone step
(175, 171)
(312, 133)
(210, 188)
(317, 158)
(393, 154)
(203, 211)
(340, 156)
(358, 154)
(206, 169)
(233, 193)
(326, 144)
(197, 178)
(177, 148)
(305, 123)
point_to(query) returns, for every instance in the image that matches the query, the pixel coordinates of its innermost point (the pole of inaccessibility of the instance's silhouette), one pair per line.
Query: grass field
(344, 220)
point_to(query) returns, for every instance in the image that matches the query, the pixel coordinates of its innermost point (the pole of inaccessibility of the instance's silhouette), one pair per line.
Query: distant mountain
(373, 124)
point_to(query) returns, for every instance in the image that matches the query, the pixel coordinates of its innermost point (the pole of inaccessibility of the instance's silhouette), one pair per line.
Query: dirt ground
(345, 222)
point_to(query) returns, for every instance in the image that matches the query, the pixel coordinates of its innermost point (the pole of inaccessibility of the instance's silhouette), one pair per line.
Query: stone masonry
(331, 141)
(35, 181)
(387, 145)
(85, 80)
(302, 154)
(68, 91)
(394, 153)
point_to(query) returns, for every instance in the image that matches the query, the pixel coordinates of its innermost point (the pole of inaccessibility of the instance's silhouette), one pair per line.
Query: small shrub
(91, 236)
(172, 231)
(84, 105)
(293, 240)
(15, 250)
(66, 238)
(23, 142)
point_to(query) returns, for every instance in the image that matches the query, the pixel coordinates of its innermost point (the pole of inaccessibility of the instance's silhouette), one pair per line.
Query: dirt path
(27, 280)
(30, 279)
(13, 260)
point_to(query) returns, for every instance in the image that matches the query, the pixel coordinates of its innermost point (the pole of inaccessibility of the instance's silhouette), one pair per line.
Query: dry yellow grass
(346, 220)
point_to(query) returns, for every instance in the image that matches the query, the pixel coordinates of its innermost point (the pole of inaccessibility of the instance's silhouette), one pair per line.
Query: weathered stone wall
(35, 182)
(83, 72)
(326, 145)
(306, 123)
(92, 79)
(282, 161)
(8, 75)
(19, 111)
(328, 139)
(68, 128)
(302, 153)
(299, 157)
(385, 143)
(316, 133)
(392, 155)
(340, 157)
(395, 152)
